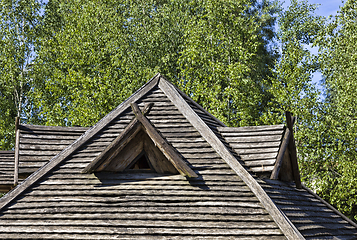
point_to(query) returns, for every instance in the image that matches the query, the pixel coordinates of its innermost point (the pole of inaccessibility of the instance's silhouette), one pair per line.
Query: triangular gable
(149, 141)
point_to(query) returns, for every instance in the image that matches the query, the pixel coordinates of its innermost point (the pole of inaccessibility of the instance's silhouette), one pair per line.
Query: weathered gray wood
(261, 169)
(255, 145)
(282, 221)
(256, 156)
(280, 157)
(125, 157)
(252, 133)
(143, 230)
(161, 143)
(260, 163)
(49, 137)
(329, 206)
(117, 223)
(254, 139)
(40, 128)
(105, 157)
(292, 149)
(285, 173)
(251, 128)
(157, 159)
(17, 149)
(79, 142)
(243, 151)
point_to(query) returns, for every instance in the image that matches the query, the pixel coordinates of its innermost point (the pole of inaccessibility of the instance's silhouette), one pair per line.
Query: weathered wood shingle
(6, 170)
(313, 218)
(39, 144)
(257, 146)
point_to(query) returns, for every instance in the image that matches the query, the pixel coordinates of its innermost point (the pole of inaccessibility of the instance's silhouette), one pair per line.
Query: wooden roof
(6, 170)
(39, 144)
(224, 201)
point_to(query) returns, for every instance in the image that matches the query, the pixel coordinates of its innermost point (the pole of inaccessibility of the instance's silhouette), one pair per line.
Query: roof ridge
(10, 196)
(286, 226)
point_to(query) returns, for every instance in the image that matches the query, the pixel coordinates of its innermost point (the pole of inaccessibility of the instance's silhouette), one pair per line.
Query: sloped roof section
(39, 144)
(257, 146)
(312, 216)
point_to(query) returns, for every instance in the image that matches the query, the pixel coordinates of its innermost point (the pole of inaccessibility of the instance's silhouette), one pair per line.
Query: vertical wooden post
(17, 146)
(292, 148)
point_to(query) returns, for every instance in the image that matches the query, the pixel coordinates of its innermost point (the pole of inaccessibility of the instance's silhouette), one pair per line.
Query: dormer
(140, 148)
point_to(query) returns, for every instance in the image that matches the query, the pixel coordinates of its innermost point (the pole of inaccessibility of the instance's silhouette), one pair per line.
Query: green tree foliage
(338, 173)
(226, 58)
(18, 21)
(95, 54)
(325, 130)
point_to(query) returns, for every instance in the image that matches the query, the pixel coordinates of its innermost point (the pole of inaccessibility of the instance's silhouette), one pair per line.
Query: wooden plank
(280, 157)
(251, 128)
(31, 141)
(260, 133)
(117, 223)
(144, 230)
(292, 150)
(40, 128)
(260, 163)
(126, 236)
(157, 159)
(262, 169)
(254, 139)
(79, 142)
(161, 143)
(254, 145)
(17, 150)
(282, 221)
(242, 151)
(257, 156)
(49, 137)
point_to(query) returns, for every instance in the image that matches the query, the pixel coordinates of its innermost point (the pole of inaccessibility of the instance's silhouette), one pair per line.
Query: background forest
(246, 61)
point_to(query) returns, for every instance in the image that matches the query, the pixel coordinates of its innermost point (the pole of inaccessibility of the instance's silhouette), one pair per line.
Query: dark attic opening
(141, 163)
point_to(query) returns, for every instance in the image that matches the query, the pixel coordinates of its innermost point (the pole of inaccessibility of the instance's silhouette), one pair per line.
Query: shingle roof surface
(6, 169)
(67, 203)
(219, 204)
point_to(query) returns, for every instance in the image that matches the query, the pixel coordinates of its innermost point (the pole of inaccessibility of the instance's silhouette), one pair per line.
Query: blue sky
(326, 8)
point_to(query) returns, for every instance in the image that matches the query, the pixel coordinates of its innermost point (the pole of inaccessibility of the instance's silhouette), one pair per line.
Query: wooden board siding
(6, 170)
(256, 146)
(39, 144)
(312, 217)
(68, 204)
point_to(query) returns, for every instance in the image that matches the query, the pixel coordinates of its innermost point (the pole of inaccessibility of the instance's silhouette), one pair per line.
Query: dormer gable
(140, 147)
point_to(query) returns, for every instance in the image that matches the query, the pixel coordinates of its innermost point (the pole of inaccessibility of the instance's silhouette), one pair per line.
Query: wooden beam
(292, 149)
(78, 143)
(117, 145)
(280, 157)
(17, 151)
(286, 226)
(163, 145)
